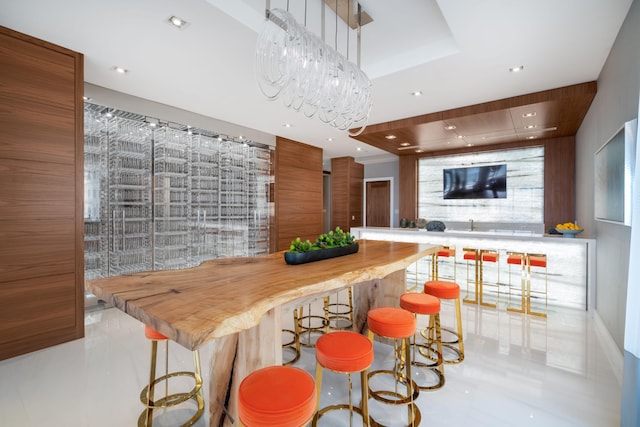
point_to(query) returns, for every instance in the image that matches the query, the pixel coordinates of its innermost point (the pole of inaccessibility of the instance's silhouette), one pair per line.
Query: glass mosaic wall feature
(525, 188)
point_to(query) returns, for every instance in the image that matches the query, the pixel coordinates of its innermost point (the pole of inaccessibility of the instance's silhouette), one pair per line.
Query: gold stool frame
(147, 394)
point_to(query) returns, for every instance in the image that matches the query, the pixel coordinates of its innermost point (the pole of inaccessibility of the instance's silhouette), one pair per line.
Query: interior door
(378, 201)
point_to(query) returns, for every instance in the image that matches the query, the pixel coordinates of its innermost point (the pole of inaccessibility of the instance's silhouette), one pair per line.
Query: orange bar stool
(479, 258)
(526, 261)
(421, 303)
(537, 261)
(399, 325)
(276, 396)
(448, 253)
(519, 259)
(445, 290)
(147, 396)
(344, 352)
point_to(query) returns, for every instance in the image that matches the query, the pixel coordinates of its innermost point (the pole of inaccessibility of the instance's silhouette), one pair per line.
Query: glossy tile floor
(518, 371)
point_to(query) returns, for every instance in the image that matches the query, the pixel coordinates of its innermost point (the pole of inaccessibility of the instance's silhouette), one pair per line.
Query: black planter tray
(295, 258)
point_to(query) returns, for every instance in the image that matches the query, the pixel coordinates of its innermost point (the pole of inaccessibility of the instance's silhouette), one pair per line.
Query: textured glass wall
(525, 188)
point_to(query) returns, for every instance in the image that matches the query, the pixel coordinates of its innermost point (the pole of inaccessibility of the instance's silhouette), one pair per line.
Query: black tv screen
(476, 182)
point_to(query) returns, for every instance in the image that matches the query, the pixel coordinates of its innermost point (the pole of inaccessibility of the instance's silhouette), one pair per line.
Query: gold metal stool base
(338, 314)
(293, 344)
(315, 326)
(169, 400)
(433, 336)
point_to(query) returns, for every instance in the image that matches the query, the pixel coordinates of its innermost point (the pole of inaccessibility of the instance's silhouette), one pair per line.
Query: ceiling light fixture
(329, 139)
(287, 125)
(404, 144)
(390, 136)
(516, 69)
(532, 114)
(120, 70)
(450, 127)
(416, 93)
(178, 23)
(419, 150)
(531, 137)
(531, 126)
(309, 76)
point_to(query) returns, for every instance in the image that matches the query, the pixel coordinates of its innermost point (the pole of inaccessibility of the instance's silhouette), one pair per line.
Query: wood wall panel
(559, 181)
(50, 136)
(408, 197)
(559, 177)
(22, 75)
(41, 196)
(298, 192)
(340, 193)
(347, 180)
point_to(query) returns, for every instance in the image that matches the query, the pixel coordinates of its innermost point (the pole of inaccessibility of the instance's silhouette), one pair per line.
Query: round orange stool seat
(344, 351)
(152, 334)
(442, 289)
(537, 261)
(282, 396)
(391, 322)
(420, 303)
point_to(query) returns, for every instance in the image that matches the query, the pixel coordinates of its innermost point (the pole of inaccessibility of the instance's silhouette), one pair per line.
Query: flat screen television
(614, 169)
(476, 182)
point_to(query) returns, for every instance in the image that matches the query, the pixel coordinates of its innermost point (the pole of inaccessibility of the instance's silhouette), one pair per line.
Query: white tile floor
(518, 371)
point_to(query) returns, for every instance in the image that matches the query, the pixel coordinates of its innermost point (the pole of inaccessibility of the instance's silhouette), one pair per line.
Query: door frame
(364, 198)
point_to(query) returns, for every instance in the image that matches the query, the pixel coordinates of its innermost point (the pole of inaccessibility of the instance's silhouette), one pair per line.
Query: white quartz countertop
(483, 234)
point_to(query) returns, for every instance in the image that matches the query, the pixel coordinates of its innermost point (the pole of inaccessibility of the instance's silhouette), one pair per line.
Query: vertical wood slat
(298, 192)
(347, 179)
(41, 161)
(408, 197)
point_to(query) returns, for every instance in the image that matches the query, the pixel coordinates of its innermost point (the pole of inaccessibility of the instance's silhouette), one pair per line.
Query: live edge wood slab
(238, 302)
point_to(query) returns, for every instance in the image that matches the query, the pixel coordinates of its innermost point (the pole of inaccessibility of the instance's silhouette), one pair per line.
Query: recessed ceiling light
(531, 126)
(450, 127)
(404, 144)
(416, 93)
(532, 114)
(287, 125)
(120, 70)
(469, 145)
(358, 149)
(460, 136)
(179, 23)
(419, 151)
(329, 139)
(532, 137)
(390, 137)
(516, 69)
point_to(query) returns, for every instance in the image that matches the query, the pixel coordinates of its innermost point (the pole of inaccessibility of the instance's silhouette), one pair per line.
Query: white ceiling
(457, 52)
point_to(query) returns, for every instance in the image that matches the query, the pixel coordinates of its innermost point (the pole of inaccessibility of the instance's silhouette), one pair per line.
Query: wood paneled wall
(298, 192)
(408, 197)
(347, 178)
(559, 178)
(41, 194)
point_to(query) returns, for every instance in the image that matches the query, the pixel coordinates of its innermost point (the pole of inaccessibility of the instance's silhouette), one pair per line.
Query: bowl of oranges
(569, 229)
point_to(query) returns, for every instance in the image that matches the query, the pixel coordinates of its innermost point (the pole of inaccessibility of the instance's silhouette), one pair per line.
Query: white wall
(615, 103)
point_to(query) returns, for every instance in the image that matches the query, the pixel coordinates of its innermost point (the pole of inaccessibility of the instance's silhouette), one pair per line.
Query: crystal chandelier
(309, 76)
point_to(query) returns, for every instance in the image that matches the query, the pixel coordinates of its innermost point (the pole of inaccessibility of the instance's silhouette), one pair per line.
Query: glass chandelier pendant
(309, 76)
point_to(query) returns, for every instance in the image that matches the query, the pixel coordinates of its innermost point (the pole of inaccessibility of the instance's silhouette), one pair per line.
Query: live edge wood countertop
(226, 296)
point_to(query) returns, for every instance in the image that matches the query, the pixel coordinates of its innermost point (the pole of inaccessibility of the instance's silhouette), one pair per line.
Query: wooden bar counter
(237, 302)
